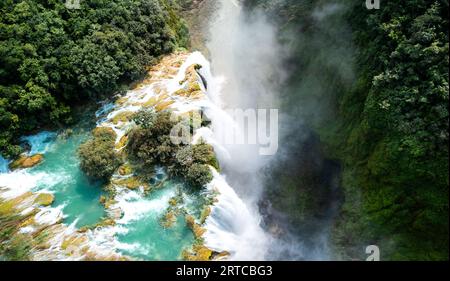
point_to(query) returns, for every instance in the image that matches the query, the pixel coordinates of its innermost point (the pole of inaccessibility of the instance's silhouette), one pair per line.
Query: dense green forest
(53, 58)
(371, 84)
(374, 85)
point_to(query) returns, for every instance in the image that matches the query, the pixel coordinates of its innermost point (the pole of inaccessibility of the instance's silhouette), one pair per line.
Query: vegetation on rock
(150, 144)
(98, 158)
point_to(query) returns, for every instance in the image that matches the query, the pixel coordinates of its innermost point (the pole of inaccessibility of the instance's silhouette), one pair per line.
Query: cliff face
(367, 82)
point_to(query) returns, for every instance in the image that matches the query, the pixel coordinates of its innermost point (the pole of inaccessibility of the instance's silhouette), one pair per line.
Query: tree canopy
(52, 57)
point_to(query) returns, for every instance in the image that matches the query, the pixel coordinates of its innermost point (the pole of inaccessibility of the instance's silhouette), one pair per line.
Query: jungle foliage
(52, 57)
(150, 144)
(374, 85)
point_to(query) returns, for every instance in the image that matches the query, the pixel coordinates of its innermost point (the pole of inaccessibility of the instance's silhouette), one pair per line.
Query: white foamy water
(232, 225)
(49, 215)
(135, 206)
(19, 182)
(40, 143)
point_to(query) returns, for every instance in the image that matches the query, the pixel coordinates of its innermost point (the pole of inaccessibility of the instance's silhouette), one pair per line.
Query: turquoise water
(79, 195)
(139, 232)
(146, 239)
(141, 236)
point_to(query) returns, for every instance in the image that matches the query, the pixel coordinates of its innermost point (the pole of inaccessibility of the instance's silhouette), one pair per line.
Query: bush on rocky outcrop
(150, 144)
(198, 175)
(98, 158)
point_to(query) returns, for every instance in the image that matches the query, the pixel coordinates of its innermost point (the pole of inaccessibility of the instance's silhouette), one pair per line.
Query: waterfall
(246, 63)
(39, 143)
(232, 226)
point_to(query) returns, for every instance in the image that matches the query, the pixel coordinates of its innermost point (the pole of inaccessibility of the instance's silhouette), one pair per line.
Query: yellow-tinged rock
(130, 182)
(123, 116)
(205, 214)
(169, 219)
(109, 202)
(27, 222)
(173, 201)
(125, 169)
(198, 253)
(73, 241)
(44, 199)
(9, 206)
(151, 102)
(197, 230)
(26, 161)
(122, 142)
(164, 105)
(121, 101)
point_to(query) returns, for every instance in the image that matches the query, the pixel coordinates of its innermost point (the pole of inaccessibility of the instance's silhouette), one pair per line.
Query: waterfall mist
(293, 76)
(244, 51)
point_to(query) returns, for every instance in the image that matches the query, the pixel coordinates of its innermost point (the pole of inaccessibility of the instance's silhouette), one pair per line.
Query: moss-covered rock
(44, 199)
(125, 169)
(124, 116)
(199, 252)
(130, 182)
(197, 230)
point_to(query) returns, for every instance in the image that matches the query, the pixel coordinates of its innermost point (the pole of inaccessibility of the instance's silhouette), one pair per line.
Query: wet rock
(121, 144)
(130, 183)
(25, 161)
(199, 252)
(218, 256)
(116, 213)
(44, 199)
(197, 230)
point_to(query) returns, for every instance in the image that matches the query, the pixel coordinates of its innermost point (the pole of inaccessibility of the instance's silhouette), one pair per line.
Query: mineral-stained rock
(25, 161)
(122, 142)
(198, 253)
(116, 213)
(44, 199)
(130, 183)
(197, 230)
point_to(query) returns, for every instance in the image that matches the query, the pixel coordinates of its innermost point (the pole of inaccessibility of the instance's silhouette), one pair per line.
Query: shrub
(150, 144)
(204, 153)
(98, 158)
(145, 118)
(198, 175)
